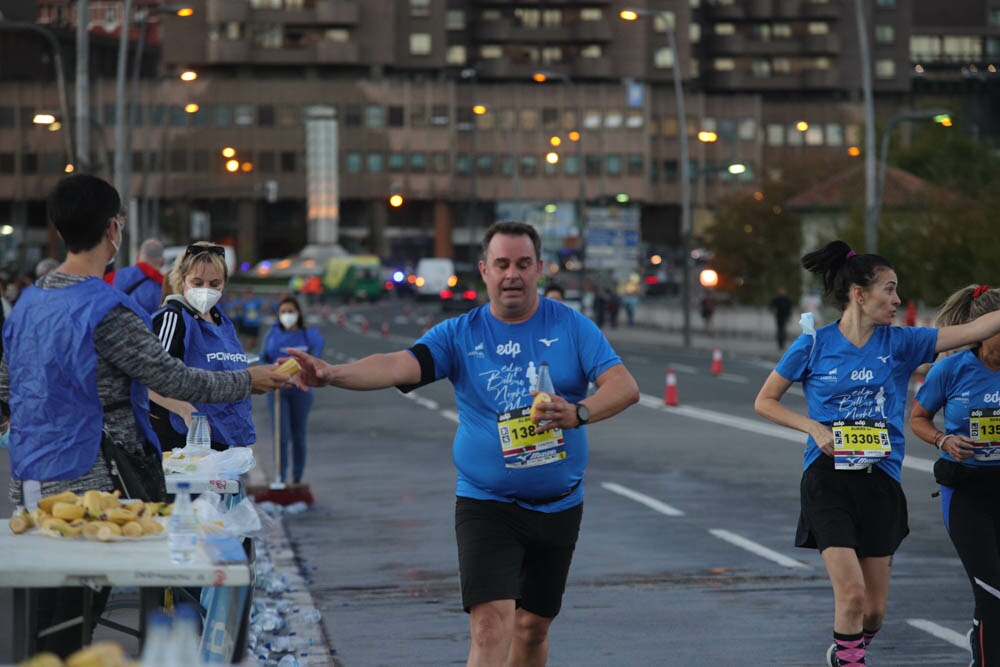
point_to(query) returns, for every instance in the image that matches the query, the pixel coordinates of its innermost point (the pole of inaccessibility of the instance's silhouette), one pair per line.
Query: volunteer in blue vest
(143, 282)
(966, 385)
(193, 328)
(78, 356)
(251, 310)
(854, 373)
(290, 332)
(520, 471)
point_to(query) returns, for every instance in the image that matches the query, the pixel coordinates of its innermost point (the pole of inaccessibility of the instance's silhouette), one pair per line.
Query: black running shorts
(857, 509)
(506, 552)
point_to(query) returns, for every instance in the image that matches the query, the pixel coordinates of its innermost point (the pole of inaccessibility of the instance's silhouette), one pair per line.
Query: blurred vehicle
(460, 298)
(399, 281)
(171, 253)
(310, 261)
(434, 274)
(354, 277)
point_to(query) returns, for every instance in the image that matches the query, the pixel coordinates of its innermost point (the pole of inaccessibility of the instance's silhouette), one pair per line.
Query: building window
(550, 118)
(529, 119)
(663, 58)
(781, 31)
(775, 134)
(885, 34)
(962, 47)
(834, 134)
(613, 120)
(994, 15)
(724, 29)
(527, 18)
(814, 136)
(374, 116)
(418, 161)
(287, 161)
(455, 55)
(885, 68)
(266, 162)
(440, 162)
(288, 116)
(29, 163)
(418, 116)
(454, 19)
(664, 21)
(592, 51)
(7, 116)
(552, 18)
(484, 163)
(818, 28)
(352, 115)
(634, 119)
(552, 54)
(724, 64)
(439, 114)
(420, 43)
(885, 4)
(529, 165)
(636, 164)
(490, 52)
(463, 163)
(761, 68)
(507, 165)
(6, 163)
(571, 164)
(591, 14)
(592, 165)
(420, 7)
(396, 116)
(376, 162)
(265, 115)
(397, 161)
(352, 162)
(243, 115)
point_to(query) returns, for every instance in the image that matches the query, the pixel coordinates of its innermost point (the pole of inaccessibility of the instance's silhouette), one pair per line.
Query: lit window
(420, 7)
(663, 58)
(591, 14)
(613, 119)
(591, 51)
(420, 43)
(724, 29)
(454, 19)
(818, 28)
(834, 134)
(490, 51)
(885, 68)
(724, 64)
(775, 134)
(885, 34)
(455, 55)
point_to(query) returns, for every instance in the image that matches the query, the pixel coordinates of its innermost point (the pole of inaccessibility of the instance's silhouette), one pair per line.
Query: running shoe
(831, 656)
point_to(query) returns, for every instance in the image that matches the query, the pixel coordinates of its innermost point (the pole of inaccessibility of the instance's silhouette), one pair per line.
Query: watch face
(582, 413)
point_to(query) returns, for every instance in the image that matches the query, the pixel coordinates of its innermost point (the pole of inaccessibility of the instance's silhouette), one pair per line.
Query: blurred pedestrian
(192, 328)
(78, 356)
(601, 307)
(966, 385)
(614, 307)
(911, 313)
(520, 468)
(707, 311)
(781, 305)
(143, 281)
(854, 373)
(251, 307)
(290, 332)
(45, 265)
(555, 292)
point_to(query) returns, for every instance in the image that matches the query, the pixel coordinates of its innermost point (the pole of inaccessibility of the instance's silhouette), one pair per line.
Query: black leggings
(973, 523)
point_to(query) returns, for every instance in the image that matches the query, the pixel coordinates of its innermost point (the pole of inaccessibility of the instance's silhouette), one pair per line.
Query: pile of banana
(96, 515)
(99, 654)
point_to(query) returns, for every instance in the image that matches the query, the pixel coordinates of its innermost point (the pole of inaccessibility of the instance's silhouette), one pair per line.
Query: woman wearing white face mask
(290, 332)
(192, 328)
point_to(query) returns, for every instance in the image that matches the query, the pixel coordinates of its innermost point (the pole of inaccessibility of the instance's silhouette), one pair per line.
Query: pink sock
(850, 649)
(869, 635)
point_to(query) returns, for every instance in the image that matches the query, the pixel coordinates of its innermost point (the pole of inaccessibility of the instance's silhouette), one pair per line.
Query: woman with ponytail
(967, 386)
(854, 373)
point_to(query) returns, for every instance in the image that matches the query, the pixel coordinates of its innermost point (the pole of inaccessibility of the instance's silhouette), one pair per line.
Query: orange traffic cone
(364, 325)
(341, 318)
(717, 361)
(670, 391)
(385, 330)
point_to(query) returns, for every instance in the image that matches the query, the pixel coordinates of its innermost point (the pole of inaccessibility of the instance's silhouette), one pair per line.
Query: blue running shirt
(842, 381)
(492, 365)
(960, 383)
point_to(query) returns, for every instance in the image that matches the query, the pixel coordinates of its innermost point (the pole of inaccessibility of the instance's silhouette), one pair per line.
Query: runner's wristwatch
(582, 413)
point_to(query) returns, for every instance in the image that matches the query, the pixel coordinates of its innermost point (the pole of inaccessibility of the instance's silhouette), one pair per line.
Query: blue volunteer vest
(147, 292)
(56, 416)
(217, 348)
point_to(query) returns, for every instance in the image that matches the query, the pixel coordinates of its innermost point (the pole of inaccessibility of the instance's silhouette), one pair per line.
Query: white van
(434, 274)
(172, 252)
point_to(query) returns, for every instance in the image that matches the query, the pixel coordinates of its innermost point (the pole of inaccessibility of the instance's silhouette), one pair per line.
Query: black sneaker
(831, 656)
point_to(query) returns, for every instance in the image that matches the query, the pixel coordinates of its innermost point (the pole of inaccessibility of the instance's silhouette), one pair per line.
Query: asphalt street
(686, 552)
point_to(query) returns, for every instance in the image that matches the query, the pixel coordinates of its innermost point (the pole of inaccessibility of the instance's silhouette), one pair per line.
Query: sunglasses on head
(199, 249)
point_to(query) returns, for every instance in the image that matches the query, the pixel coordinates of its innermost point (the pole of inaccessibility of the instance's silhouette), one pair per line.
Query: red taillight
(469, 295)
(446, 294)
(650, 280)
(388, 285)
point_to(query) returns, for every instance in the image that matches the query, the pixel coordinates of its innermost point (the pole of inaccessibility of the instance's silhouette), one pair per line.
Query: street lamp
(941, 116)
(685, 163)
(581, 187)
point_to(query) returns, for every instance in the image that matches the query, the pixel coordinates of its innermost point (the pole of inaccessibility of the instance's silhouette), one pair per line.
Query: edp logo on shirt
(510, 347)
(862, 374)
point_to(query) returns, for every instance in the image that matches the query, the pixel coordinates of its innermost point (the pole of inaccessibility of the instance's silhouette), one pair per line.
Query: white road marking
(641, 498)
(450, 414)
(939, 631)
(758, 549)
(682, 368)
(729, 377)
(760, 427)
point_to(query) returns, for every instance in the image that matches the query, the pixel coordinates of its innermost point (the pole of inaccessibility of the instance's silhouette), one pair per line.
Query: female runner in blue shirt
(854, 373)
(289, 331)
(967, 386)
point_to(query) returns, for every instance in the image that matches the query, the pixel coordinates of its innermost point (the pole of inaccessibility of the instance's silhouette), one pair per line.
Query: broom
(278, 492)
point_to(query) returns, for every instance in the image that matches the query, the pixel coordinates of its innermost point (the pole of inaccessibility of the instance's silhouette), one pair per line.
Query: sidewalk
(737, 330)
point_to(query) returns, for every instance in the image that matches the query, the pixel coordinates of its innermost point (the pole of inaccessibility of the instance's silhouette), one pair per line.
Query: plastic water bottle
(185, 637)
(545, 379)
(182, 531)
(198, 435)
(156, 646)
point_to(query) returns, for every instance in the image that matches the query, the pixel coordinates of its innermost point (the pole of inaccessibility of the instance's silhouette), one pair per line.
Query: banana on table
(99, 654)
(95, 515)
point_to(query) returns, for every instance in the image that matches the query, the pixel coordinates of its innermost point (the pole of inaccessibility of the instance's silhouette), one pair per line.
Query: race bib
(858, 443)
(984, 428)
(522, 446)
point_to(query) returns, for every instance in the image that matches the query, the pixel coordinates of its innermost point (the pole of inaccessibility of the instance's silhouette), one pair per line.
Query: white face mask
(288, 320)
(202, 298)
(120, 225)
